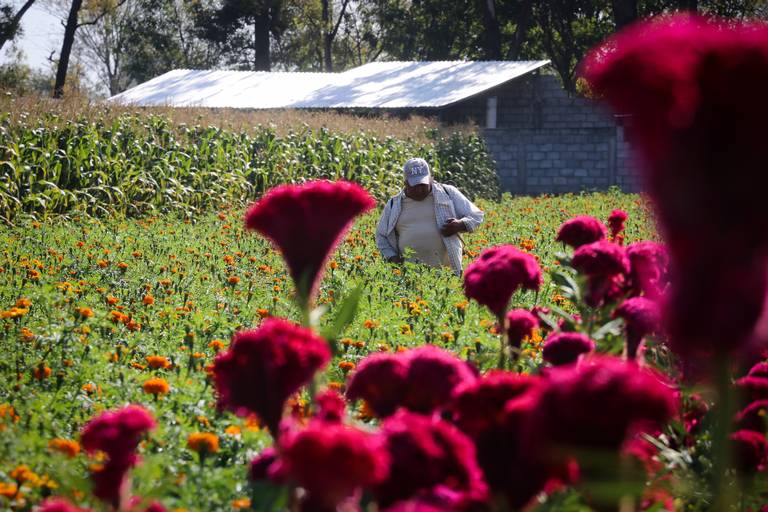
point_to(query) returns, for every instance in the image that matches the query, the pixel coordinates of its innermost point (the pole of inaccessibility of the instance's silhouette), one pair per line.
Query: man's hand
(395, 259)
(451, 227)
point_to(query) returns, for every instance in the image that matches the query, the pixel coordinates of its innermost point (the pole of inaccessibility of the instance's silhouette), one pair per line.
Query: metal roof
(374, 85)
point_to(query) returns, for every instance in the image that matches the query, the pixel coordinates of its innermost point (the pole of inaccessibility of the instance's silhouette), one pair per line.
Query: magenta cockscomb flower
(689, 125)
(520, 323)
(479, 410)
(616, 221)
(330, 406)
(566, 347)
(594, 405)
(433, 374)
(750, 451)
(116, 433)
(331, 461)
(754, 416)
(264, 366)
(754, 387)
(581, 230)
(306, 222)
(380, 380)
(58, 505)
(421, 380)
(266, 467)
(427, 454)
(641, 318)
(759, 370)
(601, 258)
(648, 268)
(498, 273)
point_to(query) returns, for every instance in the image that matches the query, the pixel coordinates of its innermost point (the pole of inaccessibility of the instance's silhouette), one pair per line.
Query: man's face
(418, 192)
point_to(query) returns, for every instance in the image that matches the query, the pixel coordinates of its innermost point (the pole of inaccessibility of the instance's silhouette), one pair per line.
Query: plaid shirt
(449, 203)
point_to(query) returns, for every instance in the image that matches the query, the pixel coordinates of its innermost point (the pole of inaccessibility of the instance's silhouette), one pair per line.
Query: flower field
(98, 314)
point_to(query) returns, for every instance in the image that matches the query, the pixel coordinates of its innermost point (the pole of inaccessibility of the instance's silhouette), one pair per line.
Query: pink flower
(689, 126)
(380, 380)
(420, 380)
(750, 450)
(648, 262)
(566, 347)
(593, 406)
(117, 433)
(479, 411)
(425, 454)
(581, 230)
(306, 223)
(520, 323)
(58, 505)
(497, 274)
(601, 258)
(266, 467)
(754, 416)
(331, 461)
(616, 221)
(641, 317)
(264, 366)
(754, 387)
(759, 370)
(433, 374)
(330, 406)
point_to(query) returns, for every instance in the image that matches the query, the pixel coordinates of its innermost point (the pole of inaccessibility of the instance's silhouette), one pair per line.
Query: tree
(624, 12)
(10, 21)
(240, 24)
(330, 29)
(492, 33)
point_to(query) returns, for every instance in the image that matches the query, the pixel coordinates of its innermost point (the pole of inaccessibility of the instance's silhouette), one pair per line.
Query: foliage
(136, 165)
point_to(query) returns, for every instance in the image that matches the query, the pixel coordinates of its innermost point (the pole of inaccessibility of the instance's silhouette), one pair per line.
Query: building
(542, 139)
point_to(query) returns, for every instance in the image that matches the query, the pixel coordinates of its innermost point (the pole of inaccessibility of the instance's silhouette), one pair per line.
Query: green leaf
(345, 314)
(613, 327)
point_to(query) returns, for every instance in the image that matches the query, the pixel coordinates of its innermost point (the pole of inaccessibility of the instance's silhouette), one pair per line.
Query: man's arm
(387, 251)
(470, 215)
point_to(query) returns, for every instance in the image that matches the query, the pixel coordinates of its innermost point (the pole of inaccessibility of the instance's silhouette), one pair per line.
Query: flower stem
(721, 492)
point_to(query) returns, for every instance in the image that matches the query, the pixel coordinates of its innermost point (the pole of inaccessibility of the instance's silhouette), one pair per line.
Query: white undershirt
(417, 228)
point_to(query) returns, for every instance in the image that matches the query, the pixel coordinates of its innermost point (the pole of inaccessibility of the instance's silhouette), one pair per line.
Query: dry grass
(29, 109)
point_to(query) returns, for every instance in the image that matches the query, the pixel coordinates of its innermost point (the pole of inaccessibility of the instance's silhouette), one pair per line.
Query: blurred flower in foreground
(306, 222)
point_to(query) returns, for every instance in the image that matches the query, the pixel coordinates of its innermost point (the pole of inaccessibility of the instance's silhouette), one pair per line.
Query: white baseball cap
(416, 171)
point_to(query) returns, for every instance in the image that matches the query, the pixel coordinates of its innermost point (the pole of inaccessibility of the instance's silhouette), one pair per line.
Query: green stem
(725, 408)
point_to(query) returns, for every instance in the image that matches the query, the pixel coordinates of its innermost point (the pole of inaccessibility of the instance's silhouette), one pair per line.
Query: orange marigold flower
(216, 345)
(136, 254)
(27, 335)
(229, 260)
(156, 386)
(23, 474)
(8, 490)
(156, 362)
(203, 442)
(233, 280)
(263, 313)
(346, 366)
(89, 388)
(333, 264)
(33, 274)
(370, 324)
(122, 265)
(112, 300)
(84, 312)
(241, 503)
(148, 300)
(68, 447)
(41, 372)
(23, 302)
(232, 430)
(446, 336)
(103, 263)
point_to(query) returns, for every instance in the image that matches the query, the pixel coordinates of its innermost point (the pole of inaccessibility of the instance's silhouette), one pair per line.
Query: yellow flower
(446, 336)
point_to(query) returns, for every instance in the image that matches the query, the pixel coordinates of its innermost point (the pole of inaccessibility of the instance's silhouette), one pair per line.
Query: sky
(42, 34)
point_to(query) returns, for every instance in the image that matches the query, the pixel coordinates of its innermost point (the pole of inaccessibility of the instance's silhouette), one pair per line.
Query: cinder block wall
(548, 142)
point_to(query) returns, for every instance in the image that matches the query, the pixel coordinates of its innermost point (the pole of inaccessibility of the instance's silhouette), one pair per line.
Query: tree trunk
(14, 26)
(624, 12)
(522, 24)
(492, 33)
(327, 37)
(261, 60)
(66, 48)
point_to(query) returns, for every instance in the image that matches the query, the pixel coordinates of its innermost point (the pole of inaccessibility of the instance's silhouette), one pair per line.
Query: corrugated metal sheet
(374, 85)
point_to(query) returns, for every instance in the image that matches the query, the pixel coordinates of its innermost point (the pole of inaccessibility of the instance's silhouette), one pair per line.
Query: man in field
(426, 217)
